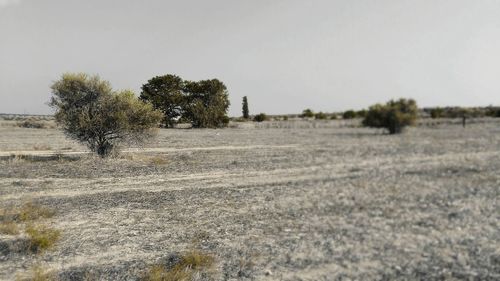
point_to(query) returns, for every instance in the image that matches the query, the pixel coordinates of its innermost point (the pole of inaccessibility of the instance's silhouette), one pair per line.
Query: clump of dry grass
(184, 270)
(42, 237)
(33, 123)
(31, 211)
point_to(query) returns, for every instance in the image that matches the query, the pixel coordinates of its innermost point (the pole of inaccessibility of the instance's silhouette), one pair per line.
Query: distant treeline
(428, 112)
(459, 112)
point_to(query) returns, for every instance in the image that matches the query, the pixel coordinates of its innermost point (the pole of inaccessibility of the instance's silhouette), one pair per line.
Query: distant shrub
(493, 112)
(260, 117)
(361, 113)
(285, 118)
(32, 124)
(334, 116)
(349, 114)
(307, 113)
(320, 116)
(393, 116)
(437, 113)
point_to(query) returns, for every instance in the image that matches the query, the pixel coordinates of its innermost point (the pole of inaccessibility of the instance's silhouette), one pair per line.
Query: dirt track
(270, 204)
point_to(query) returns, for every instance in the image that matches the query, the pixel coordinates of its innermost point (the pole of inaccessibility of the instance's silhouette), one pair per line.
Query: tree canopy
(394, 115)
(90, 112)
(204, 103)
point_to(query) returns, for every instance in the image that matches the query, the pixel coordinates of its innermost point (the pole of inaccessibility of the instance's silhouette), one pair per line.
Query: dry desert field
(296, 201)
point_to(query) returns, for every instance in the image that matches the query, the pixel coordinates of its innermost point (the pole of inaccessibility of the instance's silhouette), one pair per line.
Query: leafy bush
(361, 113)
(437, 113)
(320, 116)
(92, 113)
(349, 114)
(307, 113)
(393, 116)
(260, 117)
(204, 103)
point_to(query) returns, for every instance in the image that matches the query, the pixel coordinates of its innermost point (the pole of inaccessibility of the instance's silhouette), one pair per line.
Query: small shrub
(320, 116)
(437, 113)
(349, 114)
(42, 237)
(260, 117)
(285, 118)
(307, 113)
(393, 116)
(32, 123)
(361, 113)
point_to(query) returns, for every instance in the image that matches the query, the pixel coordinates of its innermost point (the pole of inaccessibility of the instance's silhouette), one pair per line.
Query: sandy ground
(301, 203)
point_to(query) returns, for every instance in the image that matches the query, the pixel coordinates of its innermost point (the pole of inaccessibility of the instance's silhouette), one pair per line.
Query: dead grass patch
(31, 211)
(42, 237)
(184, 269)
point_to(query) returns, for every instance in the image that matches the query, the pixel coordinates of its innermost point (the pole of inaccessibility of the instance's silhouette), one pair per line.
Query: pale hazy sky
(285, 55)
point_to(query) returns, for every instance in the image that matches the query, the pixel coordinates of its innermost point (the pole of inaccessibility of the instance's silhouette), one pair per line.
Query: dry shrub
(32, 123)
(42, 237)
(183, 270)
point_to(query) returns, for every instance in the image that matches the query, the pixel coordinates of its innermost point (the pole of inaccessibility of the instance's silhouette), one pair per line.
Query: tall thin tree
(245, 108)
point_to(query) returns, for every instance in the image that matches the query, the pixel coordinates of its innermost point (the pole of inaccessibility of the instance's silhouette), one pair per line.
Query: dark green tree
(307, 113)
(394, 115)
(246, 114)
(207, 103)
(349, 114)
(204, 104)
(166, 94)
(260, 117)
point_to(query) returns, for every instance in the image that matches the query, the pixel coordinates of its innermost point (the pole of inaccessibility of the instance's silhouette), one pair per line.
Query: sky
(285, 55)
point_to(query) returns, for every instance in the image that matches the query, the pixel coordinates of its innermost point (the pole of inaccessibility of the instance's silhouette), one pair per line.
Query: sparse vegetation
(393, 116)
(183, 269)
(320, 116)
(31, 211)
(349, 114)
(33, 124)
(261, 117)
(307, 113)
(92, 113)
(41, 237)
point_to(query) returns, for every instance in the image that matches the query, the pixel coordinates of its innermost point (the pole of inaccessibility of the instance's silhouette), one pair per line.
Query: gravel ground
(286, 203)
